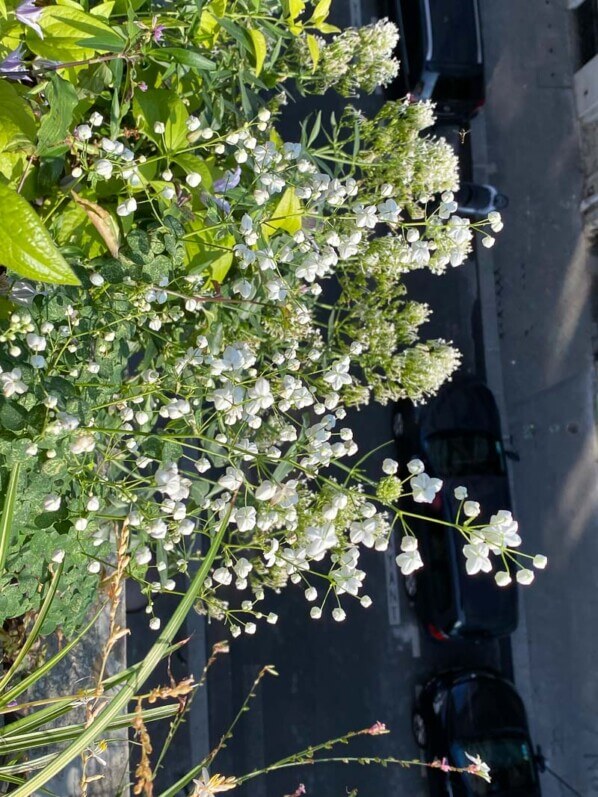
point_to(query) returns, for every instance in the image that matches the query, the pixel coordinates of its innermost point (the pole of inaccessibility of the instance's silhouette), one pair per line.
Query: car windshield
(455, 454)
(510, 760)
(455, 38)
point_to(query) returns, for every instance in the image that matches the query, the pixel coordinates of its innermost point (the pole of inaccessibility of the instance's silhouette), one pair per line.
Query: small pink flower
(377, 729)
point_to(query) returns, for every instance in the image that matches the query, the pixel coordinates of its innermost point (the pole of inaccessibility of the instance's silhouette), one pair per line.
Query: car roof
(452, 33)
(463, 405)
(484, 703)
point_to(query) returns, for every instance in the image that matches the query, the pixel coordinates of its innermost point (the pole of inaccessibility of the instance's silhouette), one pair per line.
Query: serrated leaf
(62, 99)
(260, 48)
(190, 58)
(314, 50)
(287, 214)
(27, 247)
(103, 221)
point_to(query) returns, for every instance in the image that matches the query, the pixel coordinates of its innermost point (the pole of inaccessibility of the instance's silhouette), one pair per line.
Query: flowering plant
(172, 371)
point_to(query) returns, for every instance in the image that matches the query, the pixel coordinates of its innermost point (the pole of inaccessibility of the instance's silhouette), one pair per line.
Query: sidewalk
(541, 291)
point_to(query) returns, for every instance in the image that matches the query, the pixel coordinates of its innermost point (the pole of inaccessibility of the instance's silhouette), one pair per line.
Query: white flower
(460, 493)
(390, 466)
(365, 601)
(96, 119)
(232, 479)
(540, 561)
(36, 342)
(245, 518)
(93, 504)
(58, 555)
(83, 132)
(202, 465)
(104, 168)
(127, 207)
(471, 508)
(525, 576)
(159, 128)
(168, 192)
(410, 560)
(338, 614)
(37, 361)
(154, 623)
(315, 612)
(476, 556)
(83, 444)
(222, 576)
(96, 279)
(260, 397)
(488, 241)
(11, 383)
(501, 532)
(389, 211)
(250, 628)
(415, 466)
(193, 179)
(424, 488)
(265, 491)
(479, 767)
(366, 216)
(94, 567)
(502, 578)
(52, 503)
(143, 555)
(157, 529)
(192, 123)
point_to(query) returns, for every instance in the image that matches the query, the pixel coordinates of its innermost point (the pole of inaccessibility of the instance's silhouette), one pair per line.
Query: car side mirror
(512, 455)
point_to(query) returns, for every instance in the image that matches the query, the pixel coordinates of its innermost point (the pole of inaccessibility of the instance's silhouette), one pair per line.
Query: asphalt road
(520, 317)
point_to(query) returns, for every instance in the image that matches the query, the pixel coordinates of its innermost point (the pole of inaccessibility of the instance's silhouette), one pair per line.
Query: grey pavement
(540, 270)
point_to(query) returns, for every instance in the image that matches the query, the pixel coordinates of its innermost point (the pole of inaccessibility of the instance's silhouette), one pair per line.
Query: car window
(454, 454)
(455, 35)
(412, 27)
(510, 760)
(440, 568)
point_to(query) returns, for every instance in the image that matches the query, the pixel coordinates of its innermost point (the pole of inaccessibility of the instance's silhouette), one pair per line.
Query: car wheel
(410, 583)
(419, 729)
(398, 425)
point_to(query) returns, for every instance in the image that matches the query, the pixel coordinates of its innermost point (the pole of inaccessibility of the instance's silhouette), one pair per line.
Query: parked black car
(457, 435)
(441, 54)
(480, 713)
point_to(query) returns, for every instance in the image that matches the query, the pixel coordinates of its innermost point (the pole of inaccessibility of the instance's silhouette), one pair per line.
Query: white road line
(355, 13)
(392, 584)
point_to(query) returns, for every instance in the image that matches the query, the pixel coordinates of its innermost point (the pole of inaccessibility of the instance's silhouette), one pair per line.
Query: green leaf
(7, 514)
(190, 58)
(70, 34)
(17, 122)
(104, 222)
(62, 98)
(27, 247)
(293, 8)
(260, 48)
(161, 105)
(314, 50)
(13, 417)
(324, 27)
(287, 214)
(321, 11)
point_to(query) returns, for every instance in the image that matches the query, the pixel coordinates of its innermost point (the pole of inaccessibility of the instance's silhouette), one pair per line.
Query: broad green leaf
(71, 34)
(3, 13)
(293, 8)
(103, 9)
(321, 11)
(7, 514)
(286, 216)
(209, 254)
(161, 105)
(62, 98)
(72, 227)
(190, 58)
(104, 222)
(314, 50)
(324, 27)
(27, 247)
(260, 48)
(193, 163)
(17, 122)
